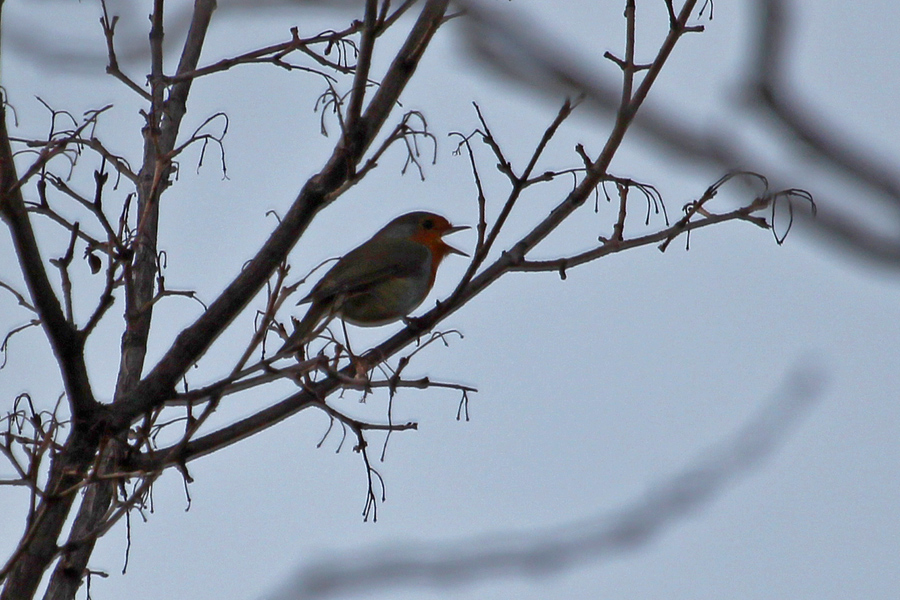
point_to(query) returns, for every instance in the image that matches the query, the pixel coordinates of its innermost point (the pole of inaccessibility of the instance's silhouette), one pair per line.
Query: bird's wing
(370, 264)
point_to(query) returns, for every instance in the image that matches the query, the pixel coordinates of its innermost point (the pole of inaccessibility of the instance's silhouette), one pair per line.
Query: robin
(384, 279)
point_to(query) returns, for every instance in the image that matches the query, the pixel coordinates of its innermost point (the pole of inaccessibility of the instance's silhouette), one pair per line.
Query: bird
(384, 279)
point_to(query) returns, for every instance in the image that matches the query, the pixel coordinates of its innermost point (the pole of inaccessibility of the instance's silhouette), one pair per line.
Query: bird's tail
(303, 331)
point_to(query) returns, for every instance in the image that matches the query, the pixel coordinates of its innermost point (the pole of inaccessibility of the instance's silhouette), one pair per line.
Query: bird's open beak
(451, 249)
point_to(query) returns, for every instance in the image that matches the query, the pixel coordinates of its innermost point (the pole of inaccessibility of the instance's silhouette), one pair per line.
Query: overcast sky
(594, 392)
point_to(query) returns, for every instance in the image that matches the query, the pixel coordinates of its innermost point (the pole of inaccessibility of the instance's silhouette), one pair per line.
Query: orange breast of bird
(437, 249)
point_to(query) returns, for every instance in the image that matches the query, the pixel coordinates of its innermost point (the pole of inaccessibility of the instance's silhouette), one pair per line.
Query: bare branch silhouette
(92, 461)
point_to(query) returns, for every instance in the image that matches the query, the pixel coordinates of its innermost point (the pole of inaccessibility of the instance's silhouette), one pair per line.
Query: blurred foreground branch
(522, 51)
(552, 552)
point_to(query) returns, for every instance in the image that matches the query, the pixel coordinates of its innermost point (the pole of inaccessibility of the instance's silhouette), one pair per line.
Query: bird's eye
(428, 224)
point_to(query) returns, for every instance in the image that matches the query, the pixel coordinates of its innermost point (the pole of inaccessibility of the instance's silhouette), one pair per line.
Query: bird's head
(425, 228)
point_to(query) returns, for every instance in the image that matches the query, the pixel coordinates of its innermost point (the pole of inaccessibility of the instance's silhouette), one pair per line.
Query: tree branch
(318, 192)
(65, 340)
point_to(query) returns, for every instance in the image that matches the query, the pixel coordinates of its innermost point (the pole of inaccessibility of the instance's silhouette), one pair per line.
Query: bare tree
(91, 460)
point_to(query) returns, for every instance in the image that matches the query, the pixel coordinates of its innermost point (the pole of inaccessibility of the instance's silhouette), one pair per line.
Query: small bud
(94, 263)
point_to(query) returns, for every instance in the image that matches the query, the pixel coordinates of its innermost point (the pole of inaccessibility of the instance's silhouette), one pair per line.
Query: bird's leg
(360, 367)
(350, 353)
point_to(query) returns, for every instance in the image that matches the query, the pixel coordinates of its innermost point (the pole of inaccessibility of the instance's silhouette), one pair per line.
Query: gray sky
(593, 391)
